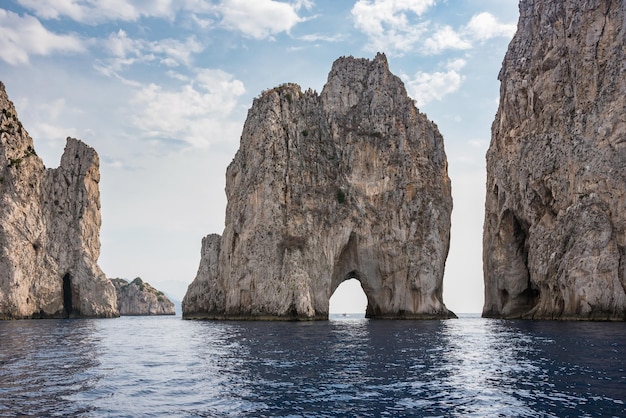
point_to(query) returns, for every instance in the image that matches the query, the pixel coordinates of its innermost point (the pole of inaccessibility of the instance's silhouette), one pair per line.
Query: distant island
(140, 298)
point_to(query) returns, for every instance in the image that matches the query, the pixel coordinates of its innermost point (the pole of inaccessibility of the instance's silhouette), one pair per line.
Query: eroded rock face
(49, 229)
(555, 222)
(140, 298)
(351, 183)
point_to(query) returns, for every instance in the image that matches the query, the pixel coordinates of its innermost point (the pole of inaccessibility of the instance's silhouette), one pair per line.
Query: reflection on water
(343, 367)
(485, 368)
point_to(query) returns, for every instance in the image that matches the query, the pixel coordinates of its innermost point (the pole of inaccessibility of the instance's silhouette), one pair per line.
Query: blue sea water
(347, 367)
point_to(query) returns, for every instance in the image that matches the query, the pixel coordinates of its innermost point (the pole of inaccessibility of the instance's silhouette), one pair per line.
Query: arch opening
(67, 295)
(348, 298)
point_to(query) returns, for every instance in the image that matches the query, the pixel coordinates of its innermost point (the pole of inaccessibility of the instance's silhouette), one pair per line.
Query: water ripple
(343, 367)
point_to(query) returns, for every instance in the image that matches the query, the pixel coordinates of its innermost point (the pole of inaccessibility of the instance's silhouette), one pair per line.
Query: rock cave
(68, 305)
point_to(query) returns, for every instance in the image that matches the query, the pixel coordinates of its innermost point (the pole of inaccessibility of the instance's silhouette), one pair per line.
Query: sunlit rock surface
(555, 222)
(349, 183)
(49, 229)
(140, 298)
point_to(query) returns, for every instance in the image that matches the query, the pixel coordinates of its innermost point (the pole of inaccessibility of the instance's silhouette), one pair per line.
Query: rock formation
(351, 183)
(555, 221)
(49, 229)
(139, 298)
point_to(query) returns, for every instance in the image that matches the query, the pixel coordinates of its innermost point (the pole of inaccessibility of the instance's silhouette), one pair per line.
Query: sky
(161, 89)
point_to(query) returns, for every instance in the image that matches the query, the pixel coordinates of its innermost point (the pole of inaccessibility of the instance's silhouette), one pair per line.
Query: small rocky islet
(352, 183)
(140, 298)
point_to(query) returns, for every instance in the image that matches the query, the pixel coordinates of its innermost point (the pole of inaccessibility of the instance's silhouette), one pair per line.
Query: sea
(347, 366)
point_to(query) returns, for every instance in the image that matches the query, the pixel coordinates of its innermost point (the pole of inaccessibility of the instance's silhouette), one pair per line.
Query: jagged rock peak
(49, 229)
(350, 183)
(5, 103)
(140, 298)
(555, 213)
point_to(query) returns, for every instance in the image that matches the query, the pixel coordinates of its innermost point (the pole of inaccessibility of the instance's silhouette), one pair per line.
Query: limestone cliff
(49, 229)
(350, 183)
(555, 221)
(139, 298)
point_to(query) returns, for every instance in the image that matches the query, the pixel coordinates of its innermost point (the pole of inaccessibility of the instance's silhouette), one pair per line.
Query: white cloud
(44, 131)
(389, 11)
(401, 26)
(21, 37)
(177, 76)
(426, 87)
(445, 38)
(120, 45)
(318, 37)
(391, 25)
(175, 51)
(485, 26)
(194, 113)
(95, 11)
(306, 4)
(456, 64)
(126, 51)
(259, 19)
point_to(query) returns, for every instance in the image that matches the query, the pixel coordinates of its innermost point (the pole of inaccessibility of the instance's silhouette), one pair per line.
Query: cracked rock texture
(49, 229)
(555, 221)
(350, 183)
(140, 298)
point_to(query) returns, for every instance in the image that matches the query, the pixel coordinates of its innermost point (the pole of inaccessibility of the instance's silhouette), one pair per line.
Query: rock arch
(351, 182)
(356, 263)
(349, 296)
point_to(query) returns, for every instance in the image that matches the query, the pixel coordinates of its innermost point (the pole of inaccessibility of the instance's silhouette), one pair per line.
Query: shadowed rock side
(49, 229)
(351, 183)
(140, 298)
(555, 221)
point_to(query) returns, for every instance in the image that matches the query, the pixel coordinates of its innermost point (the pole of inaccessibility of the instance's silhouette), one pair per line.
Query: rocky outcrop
(49, 229)
(139, 298)
(555, 221)
(350, 183)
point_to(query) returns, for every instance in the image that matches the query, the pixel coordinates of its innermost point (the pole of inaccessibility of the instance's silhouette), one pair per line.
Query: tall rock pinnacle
(351, 183)
(49, 229)
(555, 213)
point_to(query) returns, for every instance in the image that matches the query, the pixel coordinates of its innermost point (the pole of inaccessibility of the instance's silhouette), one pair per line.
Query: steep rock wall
(555, 221)
(350, 183)
(49, 229)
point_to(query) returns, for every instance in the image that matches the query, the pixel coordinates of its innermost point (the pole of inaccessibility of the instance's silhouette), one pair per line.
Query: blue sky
(160, 88)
